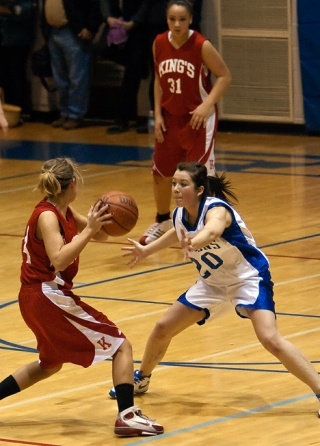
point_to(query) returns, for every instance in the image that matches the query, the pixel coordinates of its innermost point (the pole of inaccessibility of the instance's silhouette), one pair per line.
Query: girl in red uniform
(67, 329)
(185, 105)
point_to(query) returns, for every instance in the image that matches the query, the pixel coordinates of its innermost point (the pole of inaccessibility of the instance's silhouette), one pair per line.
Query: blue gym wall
(309, 47)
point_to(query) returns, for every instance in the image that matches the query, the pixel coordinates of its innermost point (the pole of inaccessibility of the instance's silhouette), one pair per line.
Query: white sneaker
(131, 423)
(155, 231)
(141, 384)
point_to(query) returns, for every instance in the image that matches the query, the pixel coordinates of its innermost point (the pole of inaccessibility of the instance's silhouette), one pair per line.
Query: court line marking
(7, 440)
(97, 174)
(162, 268)
(213, 422)
(158, 369)
(220, 420)
(198, 426)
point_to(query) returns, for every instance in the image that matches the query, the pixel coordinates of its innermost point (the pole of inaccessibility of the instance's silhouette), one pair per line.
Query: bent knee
(272, 343)
(51, 371)
(161, 330)
(125, 347)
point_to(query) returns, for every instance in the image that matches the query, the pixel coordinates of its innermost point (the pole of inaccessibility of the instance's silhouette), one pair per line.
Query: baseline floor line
(90, 386)
(98, 174)
(221, 420)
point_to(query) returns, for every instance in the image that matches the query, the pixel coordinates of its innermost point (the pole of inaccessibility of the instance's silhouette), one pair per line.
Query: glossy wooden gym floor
(217, 386)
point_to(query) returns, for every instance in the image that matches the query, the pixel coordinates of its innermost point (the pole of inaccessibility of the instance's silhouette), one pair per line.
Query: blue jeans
(70, 60)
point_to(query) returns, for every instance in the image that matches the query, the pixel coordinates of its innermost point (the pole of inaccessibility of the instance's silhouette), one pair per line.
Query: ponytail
(220, 187)
(213, 186)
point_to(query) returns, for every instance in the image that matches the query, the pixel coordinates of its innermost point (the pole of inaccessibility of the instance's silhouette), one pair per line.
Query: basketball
(125, 213)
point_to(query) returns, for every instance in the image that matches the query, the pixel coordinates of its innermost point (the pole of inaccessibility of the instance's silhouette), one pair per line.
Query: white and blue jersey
(232, 269)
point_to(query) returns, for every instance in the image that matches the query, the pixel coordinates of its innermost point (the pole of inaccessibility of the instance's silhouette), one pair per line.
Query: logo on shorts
(103, 343)
(211, 164)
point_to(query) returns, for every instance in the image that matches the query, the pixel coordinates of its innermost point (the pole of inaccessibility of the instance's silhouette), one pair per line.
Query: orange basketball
(125, 213)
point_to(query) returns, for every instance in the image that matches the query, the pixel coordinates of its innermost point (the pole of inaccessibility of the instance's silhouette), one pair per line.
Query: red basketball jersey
(36, 266)
(184, 79)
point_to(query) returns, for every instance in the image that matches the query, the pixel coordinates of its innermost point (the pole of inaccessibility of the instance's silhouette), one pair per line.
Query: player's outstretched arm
(139, 252)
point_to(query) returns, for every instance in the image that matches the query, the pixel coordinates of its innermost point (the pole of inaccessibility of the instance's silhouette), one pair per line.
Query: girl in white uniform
(232, 272)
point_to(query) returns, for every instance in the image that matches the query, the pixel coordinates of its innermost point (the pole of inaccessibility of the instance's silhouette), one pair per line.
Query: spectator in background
(126, 14)
(69, 27)
(17, 25)
(197, 15)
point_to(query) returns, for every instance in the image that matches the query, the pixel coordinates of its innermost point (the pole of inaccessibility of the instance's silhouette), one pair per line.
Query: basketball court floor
(216, 384)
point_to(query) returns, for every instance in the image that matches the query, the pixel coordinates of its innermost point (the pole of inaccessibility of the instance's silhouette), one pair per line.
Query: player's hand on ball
(136, 250)
(98, 216)
(124, 212)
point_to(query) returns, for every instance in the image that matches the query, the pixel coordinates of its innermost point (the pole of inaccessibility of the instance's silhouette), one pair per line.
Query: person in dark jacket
(70, 26)
(127, 16)
(17, 24)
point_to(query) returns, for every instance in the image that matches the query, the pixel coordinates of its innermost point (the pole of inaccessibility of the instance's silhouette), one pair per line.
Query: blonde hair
(56, 175)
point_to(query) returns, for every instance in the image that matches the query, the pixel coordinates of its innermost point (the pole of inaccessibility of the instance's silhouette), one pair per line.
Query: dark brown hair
(214, 186)
(185, 3)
